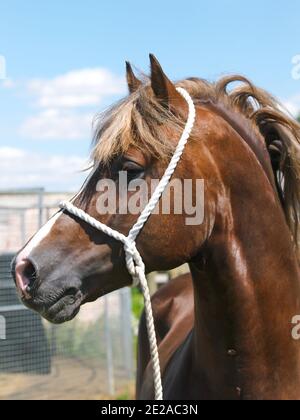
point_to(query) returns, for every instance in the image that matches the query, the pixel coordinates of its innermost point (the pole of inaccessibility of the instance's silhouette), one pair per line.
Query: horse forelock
(138, 120)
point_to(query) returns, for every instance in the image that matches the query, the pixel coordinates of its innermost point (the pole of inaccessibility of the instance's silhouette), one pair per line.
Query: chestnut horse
(243, 257)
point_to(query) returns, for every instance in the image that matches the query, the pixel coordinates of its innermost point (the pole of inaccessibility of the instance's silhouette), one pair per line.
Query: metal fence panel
(90, 357)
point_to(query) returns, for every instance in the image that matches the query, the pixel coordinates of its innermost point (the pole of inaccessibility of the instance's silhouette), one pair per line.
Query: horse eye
(132, 168)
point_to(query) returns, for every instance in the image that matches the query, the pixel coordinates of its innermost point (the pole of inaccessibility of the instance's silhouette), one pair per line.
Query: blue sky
(53, 49)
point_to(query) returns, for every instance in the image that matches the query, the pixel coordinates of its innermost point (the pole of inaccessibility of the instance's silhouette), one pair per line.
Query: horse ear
(163, 88)
(133, 82)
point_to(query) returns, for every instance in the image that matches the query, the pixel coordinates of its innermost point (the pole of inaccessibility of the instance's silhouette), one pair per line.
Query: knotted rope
(134, 261)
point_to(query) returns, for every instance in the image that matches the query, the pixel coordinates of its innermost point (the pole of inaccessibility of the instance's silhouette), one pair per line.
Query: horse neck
(247, 290)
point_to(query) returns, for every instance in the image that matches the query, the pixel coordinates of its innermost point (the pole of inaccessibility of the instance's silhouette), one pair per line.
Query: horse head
(68, 262)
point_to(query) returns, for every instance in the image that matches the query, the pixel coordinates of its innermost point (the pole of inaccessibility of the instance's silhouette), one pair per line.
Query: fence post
(126, 332)
(23, 227)
(41, 206)
(109, 350)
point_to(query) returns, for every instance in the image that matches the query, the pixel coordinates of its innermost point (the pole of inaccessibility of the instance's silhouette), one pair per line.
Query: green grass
(123, 397)
(137, 303)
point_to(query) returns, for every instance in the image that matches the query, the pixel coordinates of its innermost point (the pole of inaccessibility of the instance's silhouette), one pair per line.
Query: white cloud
(8, 83)
(21, 169)
(86, 87)
(67, 103)
(52, 124)
(293, 105)
(7, 153)
(64, 108)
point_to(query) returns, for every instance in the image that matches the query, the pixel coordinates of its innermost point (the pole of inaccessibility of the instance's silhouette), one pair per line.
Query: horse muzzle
(55, 303)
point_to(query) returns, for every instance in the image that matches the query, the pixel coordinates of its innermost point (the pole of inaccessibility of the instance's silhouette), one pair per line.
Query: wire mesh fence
(90, 357)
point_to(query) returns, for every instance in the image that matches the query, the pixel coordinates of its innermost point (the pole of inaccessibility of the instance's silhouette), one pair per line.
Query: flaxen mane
(138, 120)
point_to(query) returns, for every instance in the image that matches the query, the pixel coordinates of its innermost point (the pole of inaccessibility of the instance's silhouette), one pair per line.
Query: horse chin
(58, 315)
(62, 310)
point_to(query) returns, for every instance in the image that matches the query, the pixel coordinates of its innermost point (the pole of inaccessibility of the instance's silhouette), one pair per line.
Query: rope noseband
(134, 262)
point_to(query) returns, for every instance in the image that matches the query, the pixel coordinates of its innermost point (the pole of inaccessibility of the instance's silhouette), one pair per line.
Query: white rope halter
(134, 262)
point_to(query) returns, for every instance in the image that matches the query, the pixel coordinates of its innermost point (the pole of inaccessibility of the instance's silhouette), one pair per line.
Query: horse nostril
(26, 276)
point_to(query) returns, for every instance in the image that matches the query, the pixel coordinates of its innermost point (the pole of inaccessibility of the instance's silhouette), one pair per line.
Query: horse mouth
(64, 309)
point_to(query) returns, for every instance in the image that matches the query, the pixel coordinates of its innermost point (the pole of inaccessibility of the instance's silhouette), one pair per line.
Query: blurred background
(61, 63)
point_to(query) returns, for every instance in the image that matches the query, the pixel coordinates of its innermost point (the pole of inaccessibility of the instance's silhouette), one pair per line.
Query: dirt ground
(70, 379)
